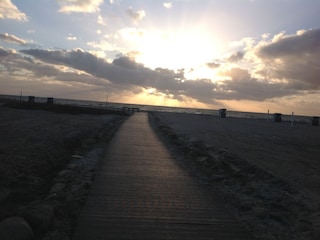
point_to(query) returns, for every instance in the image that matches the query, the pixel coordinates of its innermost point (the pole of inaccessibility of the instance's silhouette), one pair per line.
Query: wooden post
(222, 112)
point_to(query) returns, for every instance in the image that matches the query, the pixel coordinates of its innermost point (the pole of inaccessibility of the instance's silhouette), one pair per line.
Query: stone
(57, 188)
(15, 228)
(64, 173)
(39, 216)
(52, 196)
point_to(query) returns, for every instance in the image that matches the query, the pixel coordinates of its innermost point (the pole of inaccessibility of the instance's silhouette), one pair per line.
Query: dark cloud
(201, 89)
(306, 42)
(3, 53)
(243, 86)
(121, 71)
(213, 65)
(124, 74)
(26, 67)
(127, 73)
(126, 62)
(235, 57)
(295, 59)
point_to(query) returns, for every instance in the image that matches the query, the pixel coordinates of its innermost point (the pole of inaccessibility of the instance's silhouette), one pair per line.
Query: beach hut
(277, 117)
(222, 112)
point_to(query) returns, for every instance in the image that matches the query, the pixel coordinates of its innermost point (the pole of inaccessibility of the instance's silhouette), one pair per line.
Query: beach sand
(270, 171)
(47, 163)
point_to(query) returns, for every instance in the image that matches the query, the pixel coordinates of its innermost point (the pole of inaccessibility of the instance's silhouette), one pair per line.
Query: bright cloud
(80, 6)
(101, 20)
(12, 39)
(71, 37)
(10, 11)
(167, 5)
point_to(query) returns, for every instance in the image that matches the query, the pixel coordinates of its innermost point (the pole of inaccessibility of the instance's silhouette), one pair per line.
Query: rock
(15, 228)
(64, 173)
(57, 188)
(39, 216)
(52, 196)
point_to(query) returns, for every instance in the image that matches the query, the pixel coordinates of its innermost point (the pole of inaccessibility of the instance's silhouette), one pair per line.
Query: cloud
(213, 65)
(136, 15)
(71, 37)
(10, 11)
(12, 39)
(235, 57)
(125, 74)
(294, 58)
(3, 52)
(103, 45)
(167, 5)
(117, 72)
(79, 6)
(101, 20)
(244, 87)
(36, 77)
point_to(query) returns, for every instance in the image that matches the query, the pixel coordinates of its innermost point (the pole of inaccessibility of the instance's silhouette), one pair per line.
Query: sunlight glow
(173, 50)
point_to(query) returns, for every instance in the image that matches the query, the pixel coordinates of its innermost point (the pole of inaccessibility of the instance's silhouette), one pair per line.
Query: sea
(148, 108)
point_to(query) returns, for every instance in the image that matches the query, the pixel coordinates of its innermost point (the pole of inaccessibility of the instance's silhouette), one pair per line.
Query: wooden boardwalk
(140, 192)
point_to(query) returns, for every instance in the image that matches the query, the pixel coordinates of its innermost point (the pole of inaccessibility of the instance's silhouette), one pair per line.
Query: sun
(175, 50)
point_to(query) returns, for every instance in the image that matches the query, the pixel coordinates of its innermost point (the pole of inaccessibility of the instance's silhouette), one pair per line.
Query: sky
(244, 55)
